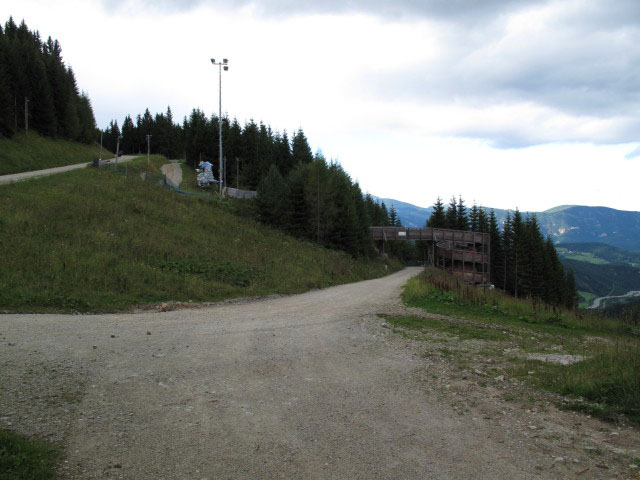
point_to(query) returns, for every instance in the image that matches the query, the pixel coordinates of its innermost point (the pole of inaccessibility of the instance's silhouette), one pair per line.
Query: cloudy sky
(510, 103)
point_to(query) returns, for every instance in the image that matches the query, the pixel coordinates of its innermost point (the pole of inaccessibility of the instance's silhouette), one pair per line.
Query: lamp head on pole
(213, 60)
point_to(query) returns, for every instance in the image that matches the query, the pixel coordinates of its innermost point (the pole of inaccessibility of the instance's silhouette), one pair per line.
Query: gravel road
(15, 177)
(304, 386)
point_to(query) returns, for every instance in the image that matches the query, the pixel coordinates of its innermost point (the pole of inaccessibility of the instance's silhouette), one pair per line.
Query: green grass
(22, 458)
(90, 240)
(461, 331)
(585, 298)
(606, 384)
(586, 257)
(24, 153)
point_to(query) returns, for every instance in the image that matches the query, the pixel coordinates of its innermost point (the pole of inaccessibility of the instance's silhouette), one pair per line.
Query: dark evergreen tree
(570, 292)
(300, 149)
(451, 215)
(272, 199)
(462, 221)
(497, 253)
(474, 218)
(437, 218)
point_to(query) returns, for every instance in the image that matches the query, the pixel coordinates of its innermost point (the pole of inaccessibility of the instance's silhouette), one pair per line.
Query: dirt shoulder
(305, 386)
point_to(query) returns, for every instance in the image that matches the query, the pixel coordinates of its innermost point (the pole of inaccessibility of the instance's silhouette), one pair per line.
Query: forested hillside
(522, 261)
(37, 89)
(298, 192)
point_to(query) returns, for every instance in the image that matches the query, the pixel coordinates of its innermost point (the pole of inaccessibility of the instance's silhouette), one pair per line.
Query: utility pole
(237, 173)
(148, 147)
(118, 150)
(26, 115)
(101, 145)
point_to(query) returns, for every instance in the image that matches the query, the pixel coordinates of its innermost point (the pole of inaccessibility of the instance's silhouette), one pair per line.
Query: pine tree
(451, 215)
(462, 221)
(271, 201)
(394, 220)
(496, 255)
(437, 217)
(300, 149)
(570, 292)
(474, 218)
(129, 142)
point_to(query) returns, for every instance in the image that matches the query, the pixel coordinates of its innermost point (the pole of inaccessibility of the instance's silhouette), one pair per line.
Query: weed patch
(24, 458)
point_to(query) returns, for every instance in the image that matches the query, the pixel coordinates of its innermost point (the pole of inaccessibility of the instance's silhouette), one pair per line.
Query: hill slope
(25, 153)
(92, 241)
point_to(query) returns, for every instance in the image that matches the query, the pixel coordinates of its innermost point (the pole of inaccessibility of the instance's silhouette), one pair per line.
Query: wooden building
(465, 254)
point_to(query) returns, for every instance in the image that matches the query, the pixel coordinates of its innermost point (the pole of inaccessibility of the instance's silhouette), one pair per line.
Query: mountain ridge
(565, 223)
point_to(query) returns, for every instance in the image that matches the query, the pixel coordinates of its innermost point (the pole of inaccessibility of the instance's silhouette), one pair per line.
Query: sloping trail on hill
(16, 177)
(173, 171)
(304, 386)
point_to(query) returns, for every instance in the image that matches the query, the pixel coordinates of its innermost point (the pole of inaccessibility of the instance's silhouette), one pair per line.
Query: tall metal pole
(220, 127)
(26, 115)
(101, 145)
(220, 65)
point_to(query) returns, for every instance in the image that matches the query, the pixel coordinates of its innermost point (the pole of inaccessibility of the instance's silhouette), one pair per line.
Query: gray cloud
(583, 64)
(456, 10)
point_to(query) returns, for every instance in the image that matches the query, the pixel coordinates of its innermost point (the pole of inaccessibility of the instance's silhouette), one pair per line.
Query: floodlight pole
(225, 64)
(148, 147)
(101, 145)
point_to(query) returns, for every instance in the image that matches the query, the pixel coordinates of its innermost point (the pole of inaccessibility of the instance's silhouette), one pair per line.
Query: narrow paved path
(307, 386)
(15, 177)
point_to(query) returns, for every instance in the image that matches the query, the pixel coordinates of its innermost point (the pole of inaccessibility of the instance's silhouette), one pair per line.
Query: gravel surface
(304, 386)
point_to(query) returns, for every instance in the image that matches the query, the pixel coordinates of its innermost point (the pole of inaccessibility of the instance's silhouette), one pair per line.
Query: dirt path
(15, 177)
(306, 386)
(173, 171)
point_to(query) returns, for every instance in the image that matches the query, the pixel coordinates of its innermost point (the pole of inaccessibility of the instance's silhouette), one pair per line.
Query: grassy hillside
(24, 153)
(91, 240)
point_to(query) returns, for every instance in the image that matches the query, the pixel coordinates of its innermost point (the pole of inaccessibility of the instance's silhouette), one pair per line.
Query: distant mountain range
(567, 223)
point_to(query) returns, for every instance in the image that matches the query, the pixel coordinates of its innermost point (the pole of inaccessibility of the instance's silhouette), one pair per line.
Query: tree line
(318, 200)
(34, 79)
(522, 262)
(298, 192)
(249, 150)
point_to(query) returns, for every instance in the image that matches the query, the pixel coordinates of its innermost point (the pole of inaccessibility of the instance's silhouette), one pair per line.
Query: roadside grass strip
(23, 458)
(594, 364)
